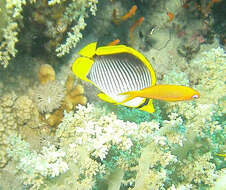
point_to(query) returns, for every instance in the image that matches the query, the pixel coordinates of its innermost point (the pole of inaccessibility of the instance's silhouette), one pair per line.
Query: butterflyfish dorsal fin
(88, 51)
(107, 50)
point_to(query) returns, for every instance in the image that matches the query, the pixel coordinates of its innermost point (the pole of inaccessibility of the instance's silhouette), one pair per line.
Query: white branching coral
(50, 162)
(203, 171)
(10, 16)
(94, 147)
(98, 134)
(73, 37)
(202, 120)
(212, 66)
(76, 12)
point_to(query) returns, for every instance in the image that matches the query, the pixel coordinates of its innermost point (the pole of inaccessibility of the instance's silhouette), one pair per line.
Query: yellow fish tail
(222, 155)
(129, 96)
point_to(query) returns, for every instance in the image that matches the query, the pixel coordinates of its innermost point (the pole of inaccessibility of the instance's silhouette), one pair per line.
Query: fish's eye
(195, 96)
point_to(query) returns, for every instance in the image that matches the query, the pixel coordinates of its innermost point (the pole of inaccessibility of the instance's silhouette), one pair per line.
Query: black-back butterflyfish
(115, 70)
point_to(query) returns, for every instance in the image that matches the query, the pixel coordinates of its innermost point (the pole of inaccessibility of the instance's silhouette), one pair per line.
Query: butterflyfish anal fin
(106, 98)
(148, 108)
(88, 51)
(81, 67)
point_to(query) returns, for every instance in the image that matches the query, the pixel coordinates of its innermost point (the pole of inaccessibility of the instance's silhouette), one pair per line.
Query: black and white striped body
(118, 73)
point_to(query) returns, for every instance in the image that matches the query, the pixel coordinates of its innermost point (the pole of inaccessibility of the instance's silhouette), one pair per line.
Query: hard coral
(74, 97)
(75, 94)
(26, 112)
(8, 124)
(46, 74)
(56, 117)
(47, 19)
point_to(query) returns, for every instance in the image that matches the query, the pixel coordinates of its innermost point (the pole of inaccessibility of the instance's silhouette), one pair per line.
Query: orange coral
(74, 94)
(56, 117)
(69, 83)
(75, 97)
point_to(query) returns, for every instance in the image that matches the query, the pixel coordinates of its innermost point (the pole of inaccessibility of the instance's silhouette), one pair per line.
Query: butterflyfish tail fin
(129, 96)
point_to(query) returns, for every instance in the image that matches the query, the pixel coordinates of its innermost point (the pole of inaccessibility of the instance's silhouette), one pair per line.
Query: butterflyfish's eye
(195, 96)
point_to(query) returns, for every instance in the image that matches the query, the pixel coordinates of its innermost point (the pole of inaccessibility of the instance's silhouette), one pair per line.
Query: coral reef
(175, 149)
(50, 138)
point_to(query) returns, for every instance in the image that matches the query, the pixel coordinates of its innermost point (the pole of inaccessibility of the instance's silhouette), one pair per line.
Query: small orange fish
(216, 1)
(171, 16)
(163, 92)
(113, 43)
(135, 24)
(131, 12)
(185, 5)
(133, 27)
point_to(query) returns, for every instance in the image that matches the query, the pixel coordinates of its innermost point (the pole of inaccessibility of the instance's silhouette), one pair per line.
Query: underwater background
(55, 134)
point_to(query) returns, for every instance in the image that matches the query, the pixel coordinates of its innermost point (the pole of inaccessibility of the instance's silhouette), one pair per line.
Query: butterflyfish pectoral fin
(148, 108)
(89, 50)
(81, 67)
(106, 98)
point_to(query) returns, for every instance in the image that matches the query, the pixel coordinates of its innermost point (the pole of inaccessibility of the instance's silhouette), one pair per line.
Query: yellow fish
(165, 92)
(114, 70)
(124, 76)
